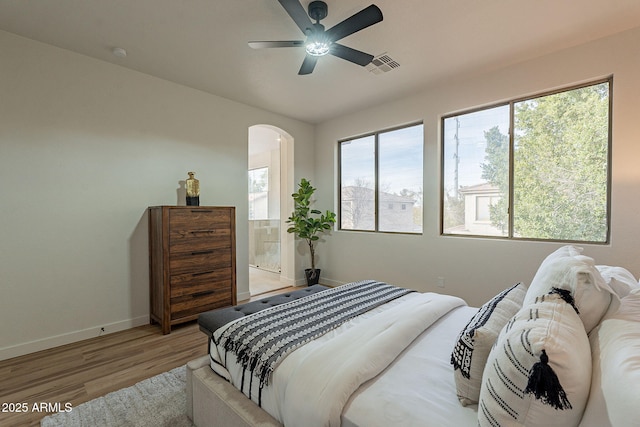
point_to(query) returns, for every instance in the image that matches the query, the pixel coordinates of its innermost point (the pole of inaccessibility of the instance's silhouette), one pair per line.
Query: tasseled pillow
(539, 371)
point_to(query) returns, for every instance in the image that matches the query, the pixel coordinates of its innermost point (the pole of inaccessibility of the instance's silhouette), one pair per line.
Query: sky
(401, 158)
(401, 152)
(472, 143)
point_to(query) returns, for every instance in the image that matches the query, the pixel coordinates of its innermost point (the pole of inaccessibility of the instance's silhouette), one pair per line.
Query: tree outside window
(547, 180)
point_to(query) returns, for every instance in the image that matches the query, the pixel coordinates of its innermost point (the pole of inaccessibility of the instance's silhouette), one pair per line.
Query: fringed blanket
(261, 341)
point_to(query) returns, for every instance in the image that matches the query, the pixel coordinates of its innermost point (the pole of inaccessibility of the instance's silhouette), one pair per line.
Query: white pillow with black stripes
(539, 371)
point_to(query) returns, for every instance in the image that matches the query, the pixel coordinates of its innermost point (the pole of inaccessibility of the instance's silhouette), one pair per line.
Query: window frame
(511, 136)
(376, 189)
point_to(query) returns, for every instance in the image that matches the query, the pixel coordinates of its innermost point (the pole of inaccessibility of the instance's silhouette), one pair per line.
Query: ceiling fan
(320, 42)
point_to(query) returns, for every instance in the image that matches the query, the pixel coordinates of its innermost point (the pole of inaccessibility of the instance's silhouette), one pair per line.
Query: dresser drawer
(199, 219)
(181, 240)
(194, 283)
(192, 305)
(199, 261)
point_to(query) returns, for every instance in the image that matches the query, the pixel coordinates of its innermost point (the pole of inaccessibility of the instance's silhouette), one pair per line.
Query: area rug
(155, 402)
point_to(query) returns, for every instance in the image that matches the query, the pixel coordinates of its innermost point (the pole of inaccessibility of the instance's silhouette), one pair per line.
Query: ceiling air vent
(382, 64)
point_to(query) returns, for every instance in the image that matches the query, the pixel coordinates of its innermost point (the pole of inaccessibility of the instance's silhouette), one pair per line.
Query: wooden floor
(78, 372)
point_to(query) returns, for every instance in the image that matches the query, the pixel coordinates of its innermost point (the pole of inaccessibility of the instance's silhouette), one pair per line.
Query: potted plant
(307, 223)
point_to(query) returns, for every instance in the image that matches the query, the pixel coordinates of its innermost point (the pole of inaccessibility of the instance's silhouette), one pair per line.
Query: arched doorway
(270, 166)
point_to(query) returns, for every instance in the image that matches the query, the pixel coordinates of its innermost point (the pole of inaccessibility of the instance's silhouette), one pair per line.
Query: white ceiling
(203, 43)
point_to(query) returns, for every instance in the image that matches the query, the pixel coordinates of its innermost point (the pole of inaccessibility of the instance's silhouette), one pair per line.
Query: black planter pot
(313, 276)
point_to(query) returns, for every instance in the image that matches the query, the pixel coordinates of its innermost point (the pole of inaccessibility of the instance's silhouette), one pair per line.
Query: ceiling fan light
(317, 48)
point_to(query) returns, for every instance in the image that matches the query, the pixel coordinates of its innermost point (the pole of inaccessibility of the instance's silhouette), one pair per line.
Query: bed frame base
(214, 402)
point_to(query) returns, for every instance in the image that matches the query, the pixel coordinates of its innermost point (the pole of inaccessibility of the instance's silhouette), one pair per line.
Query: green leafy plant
(307, 223)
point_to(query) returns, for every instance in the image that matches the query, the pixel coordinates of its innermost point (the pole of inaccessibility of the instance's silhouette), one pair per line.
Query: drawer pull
(201, 252)
(201, 273)
(203, 231)
(201, 294)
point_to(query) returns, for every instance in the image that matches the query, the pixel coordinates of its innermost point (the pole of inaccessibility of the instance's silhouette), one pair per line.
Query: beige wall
(476, 268)
(85, 147)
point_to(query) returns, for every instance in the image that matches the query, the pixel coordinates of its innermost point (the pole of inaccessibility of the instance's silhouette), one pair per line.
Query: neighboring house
(477, 201)
(395, 212)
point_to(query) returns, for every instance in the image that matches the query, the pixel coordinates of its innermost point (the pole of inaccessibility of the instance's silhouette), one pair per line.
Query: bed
(347, 376)
(400, 377)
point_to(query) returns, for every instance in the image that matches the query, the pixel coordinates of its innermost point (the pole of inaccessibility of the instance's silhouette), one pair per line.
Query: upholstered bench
(212, 320)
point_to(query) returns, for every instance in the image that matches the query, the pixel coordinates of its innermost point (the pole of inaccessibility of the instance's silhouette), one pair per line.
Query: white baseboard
(75, 336)
(242, 296)
(330, 282)
(70, 337)
(288, 281)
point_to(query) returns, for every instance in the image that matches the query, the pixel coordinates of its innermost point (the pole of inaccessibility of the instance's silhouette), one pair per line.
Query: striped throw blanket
(260, 341)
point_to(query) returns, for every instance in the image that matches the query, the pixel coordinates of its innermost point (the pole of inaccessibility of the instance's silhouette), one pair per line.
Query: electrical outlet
(441, 282)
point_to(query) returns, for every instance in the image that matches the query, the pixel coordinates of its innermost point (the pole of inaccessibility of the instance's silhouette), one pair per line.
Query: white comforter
(418, 388)
(313, 384)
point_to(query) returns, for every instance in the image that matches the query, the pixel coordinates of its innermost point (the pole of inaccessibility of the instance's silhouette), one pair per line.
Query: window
(377, 173)
(259, 193)
(548, 179)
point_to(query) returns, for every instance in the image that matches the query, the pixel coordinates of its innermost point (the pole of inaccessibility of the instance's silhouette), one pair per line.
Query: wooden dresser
(192, 262)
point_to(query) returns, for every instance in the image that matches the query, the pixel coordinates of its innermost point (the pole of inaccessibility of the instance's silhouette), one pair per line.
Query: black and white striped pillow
(478, 336)
(539, 371)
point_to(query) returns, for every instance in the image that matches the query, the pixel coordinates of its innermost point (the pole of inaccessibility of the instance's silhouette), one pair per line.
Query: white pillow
(476, 339)
(567, 269)
(615, 384)
(551, 327)
(619, 278)
(621, 282)
(630, 307)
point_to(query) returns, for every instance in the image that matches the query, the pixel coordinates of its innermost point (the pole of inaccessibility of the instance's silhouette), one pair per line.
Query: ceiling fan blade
(361, 20)
(308, 64)
(284, 43)
(298, 14)
(352, 55)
